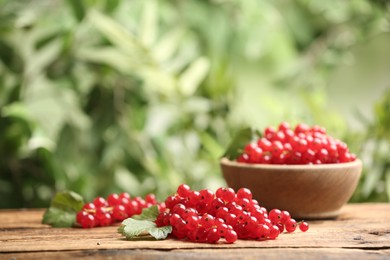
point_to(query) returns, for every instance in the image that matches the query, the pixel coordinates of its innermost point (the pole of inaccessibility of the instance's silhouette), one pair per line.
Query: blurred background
(102, 96)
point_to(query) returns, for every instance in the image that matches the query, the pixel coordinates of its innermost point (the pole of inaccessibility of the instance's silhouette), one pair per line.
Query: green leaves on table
(143, 225)
(63, 209)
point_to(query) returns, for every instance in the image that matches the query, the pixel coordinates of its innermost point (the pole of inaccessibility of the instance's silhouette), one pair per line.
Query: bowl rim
(228, 162)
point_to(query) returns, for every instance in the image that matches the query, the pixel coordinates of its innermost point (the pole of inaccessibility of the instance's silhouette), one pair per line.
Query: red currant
(100, 202)
(244, 193)
(226, 194)
(303, 226)
(230, 236)
(184, 190)
(88, 221)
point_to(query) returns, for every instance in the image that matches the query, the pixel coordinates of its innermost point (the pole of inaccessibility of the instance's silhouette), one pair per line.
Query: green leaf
(243, 137)
(111, 5)
(78, 9)
(211, 145)
(59, 218)
(149, 214)
(160, 232)
(67, 200)
(63, 209)
(191, 78)
(143, 224)
(132, 227)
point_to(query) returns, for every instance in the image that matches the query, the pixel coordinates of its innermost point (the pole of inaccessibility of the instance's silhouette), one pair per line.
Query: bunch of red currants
(116, 208)
(205, 216)
(299, 145)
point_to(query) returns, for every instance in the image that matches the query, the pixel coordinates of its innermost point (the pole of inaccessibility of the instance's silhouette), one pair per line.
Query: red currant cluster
(301, 145)
(205, 216)
(105, 212)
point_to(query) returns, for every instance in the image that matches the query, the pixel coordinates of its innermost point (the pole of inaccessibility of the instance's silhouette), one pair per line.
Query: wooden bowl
(306, 191)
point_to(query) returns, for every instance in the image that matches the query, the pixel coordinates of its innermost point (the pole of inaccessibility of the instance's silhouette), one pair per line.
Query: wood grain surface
(362, 231)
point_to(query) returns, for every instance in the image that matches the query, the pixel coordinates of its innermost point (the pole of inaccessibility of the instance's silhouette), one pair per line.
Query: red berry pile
(105, 212)
(301, 145)
(205, 216)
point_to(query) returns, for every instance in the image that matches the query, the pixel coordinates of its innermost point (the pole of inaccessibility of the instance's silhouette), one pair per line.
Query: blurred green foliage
(101, 96)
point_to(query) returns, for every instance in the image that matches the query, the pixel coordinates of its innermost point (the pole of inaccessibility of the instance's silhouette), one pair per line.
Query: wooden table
(362, 231)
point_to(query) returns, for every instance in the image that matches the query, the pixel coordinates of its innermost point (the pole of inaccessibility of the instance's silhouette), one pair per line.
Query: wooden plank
(360, 226)
(226, 253)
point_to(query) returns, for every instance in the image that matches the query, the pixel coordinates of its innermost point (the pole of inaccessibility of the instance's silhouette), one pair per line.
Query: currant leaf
(143, 224)
(133, 228)
(58, 218)
(160, 232)
(63, 209)
(67, 200)
(243, 137)
(150, 214)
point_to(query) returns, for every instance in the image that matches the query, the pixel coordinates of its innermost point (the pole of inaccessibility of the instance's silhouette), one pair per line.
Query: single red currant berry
(269, 132)
(234, 208)
(80, 216)
(88, 221)
(301, 128)
(212, 235)
(283, 126)
(231, 219)
(100, 202)
(105, 220)
(226, 194)
(206, 196)
(230, 236)
(119, 212)
(179, 209)
(171, 201)
(150, 199)
(290, 225)
(289, 134)
(303, 226)
(178, 233)
(132, 208)
(243, 158)
(207, 221)
(124, 201)
(184, 190)
(285, 216)
(301, 146)
(274, 232)
(244, 193)
(322, 155)
(201, 234)
(160, 219)
(264, 144)
(275, 215)
(279, 136)
(190, 212)
(113, 199)
(100, 211)
(264, 231)
(193, 199)
(174, 219)
(124, 195)
(192, 222)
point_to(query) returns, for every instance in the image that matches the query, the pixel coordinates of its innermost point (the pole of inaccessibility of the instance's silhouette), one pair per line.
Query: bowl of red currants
(300, 169)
